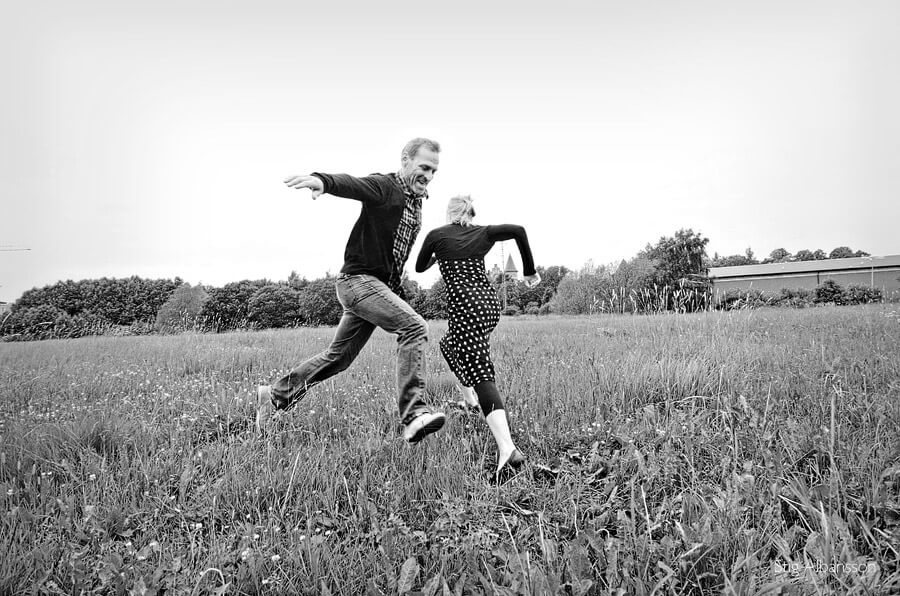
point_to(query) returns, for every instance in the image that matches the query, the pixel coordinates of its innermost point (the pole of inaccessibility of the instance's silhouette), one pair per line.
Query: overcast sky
(152, 139)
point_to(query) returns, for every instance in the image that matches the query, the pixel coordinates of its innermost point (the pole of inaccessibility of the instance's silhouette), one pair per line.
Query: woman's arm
(517, 233)
(426, 259)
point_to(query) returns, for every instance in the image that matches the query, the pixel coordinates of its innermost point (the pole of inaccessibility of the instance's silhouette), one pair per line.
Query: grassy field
(740, 453)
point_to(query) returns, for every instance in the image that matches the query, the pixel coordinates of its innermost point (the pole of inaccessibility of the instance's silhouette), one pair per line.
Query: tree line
(669, 275)
(781, 255)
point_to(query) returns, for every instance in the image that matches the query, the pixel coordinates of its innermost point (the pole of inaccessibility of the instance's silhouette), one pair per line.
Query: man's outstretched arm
(314, 183)
(364, 189)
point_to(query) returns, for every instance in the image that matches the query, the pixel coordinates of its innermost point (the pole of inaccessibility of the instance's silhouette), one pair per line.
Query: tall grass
(740, 452)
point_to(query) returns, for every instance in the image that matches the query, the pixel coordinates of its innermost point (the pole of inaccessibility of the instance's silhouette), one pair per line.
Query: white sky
(153, 139)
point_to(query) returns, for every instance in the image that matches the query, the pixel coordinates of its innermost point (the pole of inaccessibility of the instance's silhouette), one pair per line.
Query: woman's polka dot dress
(474, 313)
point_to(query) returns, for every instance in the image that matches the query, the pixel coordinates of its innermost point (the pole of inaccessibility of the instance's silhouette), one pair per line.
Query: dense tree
(295, 281)
(810, 255)
(273, 306)
(318, 303)
(410, 289)
(118, 301)
(735, 260)
(633, 274)
(508, 287)
(544, 291)
(228, 306)
(677, 258)
(841, 252)
(779, 255)
(582, 292)
(432, 304)
(182, 310)
(845, 252)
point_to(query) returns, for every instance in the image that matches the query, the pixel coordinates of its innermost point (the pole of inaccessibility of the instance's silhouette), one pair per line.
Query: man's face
(417, 171)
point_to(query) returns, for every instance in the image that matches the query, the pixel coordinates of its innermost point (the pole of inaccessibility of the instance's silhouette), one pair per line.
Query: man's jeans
(368, 303)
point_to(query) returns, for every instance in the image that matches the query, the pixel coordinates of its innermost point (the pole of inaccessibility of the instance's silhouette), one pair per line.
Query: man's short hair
(412, 147)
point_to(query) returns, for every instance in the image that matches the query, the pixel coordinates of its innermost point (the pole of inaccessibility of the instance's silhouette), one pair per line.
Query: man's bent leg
(382, 307)
(351, 335)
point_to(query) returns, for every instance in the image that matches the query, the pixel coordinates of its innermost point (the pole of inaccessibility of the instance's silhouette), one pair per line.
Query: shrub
(863, 295)
(511, 311)
(742, 299)
(793, 297)
(36, 322)
(88, 323)
(829, 292)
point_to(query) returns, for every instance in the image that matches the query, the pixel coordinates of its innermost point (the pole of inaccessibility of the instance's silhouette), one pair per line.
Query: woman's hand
(532, 280)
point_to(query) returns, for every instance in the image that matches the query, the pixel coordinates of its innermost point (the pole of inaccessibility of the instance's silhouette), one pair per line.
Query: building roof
(805, 267)
(510, 265)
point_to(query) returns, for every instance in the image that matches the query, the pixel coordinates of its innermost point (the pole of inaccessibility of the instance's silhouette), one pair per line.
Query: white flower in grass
(276, 558)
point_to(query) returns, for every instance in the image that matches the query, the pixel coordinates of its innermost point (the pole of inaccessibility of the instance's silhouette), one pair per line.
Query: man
(368, 287)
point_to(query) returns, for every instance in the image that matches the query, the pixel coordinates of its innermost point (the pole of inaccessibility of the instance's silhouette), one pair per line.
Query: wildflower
(276, 558)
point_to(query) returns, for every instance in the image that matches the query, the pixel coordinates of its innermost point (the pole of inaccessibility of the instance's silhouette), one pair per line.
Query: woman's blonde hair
(460, 210)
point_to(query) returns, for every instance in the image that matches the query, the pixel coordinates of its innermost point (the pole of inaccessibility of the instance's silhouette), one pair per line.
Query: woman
(460, 247)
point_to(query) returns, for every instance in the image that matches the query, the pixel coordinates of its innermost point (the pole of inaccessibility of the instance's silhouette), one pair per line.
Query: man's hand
(532, 280)
(311, 182)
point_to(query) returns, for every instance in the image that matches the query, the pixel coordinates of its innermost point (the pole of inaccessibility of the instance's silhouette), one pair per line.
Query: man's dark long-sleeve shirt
(454, 241)
(370, 248)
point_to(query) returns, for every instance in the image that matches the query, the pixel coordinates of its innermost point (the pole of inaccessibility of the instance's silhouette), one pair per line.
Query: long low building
(876, 272)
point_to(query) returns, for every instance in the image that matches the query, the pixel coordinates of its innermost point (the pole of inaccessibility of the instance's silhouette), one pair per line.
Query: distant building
(875, 272)
(4, 308)
(511, 270)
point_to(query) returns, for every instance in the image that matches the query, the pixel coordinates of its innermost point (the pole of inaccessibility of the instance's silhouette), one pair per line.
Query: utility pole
(502, 277)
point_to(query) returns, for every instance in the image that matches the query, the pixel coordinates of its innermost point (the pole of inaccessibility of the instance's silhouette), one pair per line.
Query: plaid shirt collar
(406, 232)
(407, 190)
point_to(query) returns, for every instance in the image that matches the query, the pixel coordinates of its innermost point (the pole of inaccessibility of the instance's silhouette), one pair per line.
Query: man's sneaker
(265, 408)
(423, 425)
